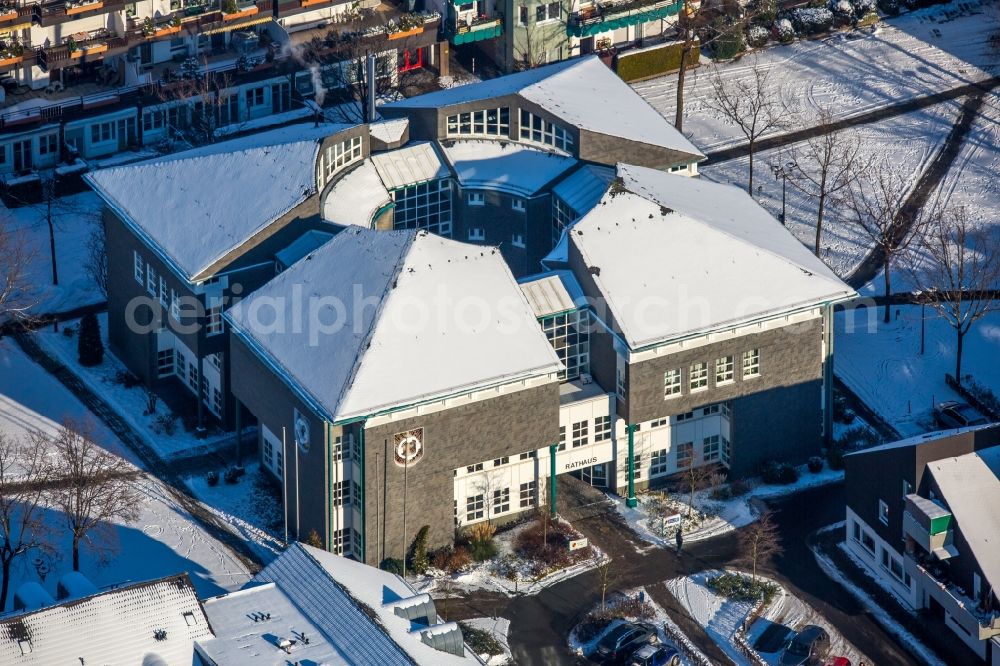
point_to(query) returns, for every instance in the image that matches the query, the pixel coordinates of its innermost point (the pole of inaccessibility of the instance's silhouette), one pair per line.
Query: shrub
(439, 558)
(742, 588)
(652, 62)
(481, 541)
(314, 540)
(778, 473)
(126, 379)
(729, 42)
(762, 12)
(843, 11)
(863, 7)
(982, 394)
(419, 561)
(480, 640)
(858, 437)
(783, 31)
(721, 493)
(458, 560)
(815, 464)
(889, 7)
(835, 458)
(757, 36)
(89, 348)
(548, 547)
(740, 487)
(212, 478)
(812, 20)
(164, 424)
(69, 332)
(392, 565)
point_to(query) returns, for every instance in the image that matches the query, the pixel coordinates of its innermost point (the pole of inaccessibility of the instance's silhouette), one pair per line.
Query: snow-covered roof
(356, 197)
(582, 190)
(115, 627)
(552, 293)
(416, 163)
(228, 191)
(583, 92)
(970, 486)
(504, 167)
(924, 438)
(389, 131)
(676, 256)
(302, 246)
(337, 595)
(251, 624)
(409, 341)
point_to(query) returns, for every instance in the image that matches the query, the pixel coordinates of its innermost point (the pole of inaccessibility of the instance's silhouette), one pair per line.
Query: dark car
(655, 655)
(807, 648)
(953, 414)
(623, 640)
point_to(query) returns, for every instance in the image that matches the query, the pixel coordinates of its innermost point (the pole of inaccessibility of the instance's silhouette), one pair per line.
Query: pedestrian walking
(679, 540)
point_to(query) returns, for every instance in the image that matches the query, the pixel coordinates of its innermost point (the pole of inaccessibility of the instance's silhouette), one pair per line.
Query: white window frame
(477, 234)
(581, 433)
(751, 363)
(672, 383)
(688, 460)
(659, 462)
(138, 268)
(698, 376)
(476, 198)
(883, 512)
(517, 240)
(725, 370)
(518, 205)
(213, 320)
(151, 282)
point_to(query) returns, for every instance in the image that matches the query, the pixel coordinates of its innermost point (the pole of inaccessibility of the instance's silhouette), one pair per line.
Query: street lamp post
(782, 171)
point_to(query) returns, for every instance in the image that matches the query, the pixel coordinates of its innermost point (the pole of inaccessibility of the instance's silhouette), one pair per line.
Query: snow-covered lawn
(164, 540)
(918, 53)
(129, 403)
(711, 517)
(722, 618)
(74, 219)
(882, 364)
(910, 141)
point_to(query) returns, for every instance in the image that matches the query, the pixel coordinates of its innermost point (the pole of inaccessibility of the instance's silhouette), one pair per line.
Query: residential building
(311, 607)
(919, 518)
(152, 622)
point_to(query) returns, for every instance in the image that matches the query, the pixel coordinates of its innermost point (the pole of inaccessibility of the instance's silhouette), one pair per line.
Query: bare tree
(697, 477)
(760, 541)
(875, 203)
(206, 98)
(16, 296)
(604, 575)
(94, 488)
(826, 165)
(97, 258)
(752, 103)
(25, 471)
(955, 270)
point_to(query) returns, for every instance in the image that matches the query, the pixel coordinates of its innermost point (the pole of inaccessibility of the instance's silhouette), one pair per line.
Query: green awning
(476, 34)
(611, 21)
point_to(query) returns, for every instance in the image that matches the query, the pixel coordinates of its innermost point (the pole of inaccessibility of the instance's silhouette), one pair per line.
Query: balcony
(606, 16)
(981, 625)
(929, 525)
(16, 17)
(81, 48)
(53, 13)
(475, 30)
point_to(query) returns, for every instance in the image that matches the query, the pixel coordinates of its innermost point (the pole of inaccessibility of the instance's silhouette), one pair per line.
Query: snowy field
(722, 618)
(74, 219)
(927, 51)
(164, 540)
(883, 366)
(910, 141)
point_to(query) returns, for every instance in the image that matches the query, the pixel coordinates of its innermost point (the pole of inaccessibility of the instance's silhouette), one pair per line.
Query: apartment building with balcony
(920, 519)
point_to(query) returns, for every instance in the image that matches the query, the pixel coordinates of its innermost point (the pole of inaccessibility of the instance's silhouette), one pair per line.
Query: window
(517, 204)
(48, 144)
(501, 501)
(602, 428)
(523, 15)
(659, 423)
(894, 566)
(724, 370)
(338, 449)
(710, 448)
(580, 433)
(637, 466)
(476, 199)
(501, 461)
(526, 495)
(620, 383)
(907, 487)
(751, 363)
(151, 280)
(686, 416)
(548, 12)
(538, 130)
(685, 454)
(215, 360)
(478, 467)
(339, 155)
(517, 240)
(423, 206)
(163, 292)
(356, 489)
(341, 493)
(341, 541)
(883, 512)
(671, 383)
(525, 456)
(214, 320)
(726, 452)
(487, 122)
(474, 507)
(658, 463)
(138, 267)
(569, 335)
(102, 132)
(709, 410)
(165, 362)
(255, 96)
(175, 306)
(216, 405)
(563, 215)
(698, 376)
(562, 438)
(153, 120)
(477, 234)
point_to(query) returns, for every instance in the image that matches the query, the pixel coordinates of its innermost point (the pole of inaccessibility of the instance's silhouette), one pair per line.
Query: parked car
(953, 414)
(623, 640)
(839, 661)
(806, 648)
(656, 655)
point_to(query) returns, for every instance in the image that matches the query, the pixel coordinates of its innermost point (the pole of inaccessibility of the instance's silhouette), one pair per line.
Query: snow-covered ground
(164, 540)
(129, 403)
(918, 53)
(882, 364)
(74, 219)
(910, 141)
(499, 628)
(719, 516)
(722, 618)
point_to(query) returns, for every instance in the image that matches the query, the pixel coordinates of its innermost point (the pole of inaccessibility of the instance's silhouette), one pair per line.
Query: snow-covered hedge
(757, 36)
(812, 20)
(784, 32)
(863, 7)
(843, 11)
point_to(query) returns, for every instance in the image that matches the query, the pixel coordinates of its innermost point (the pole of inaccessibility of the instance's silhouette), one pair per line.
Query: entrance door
(587, 45)
(22, 156)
